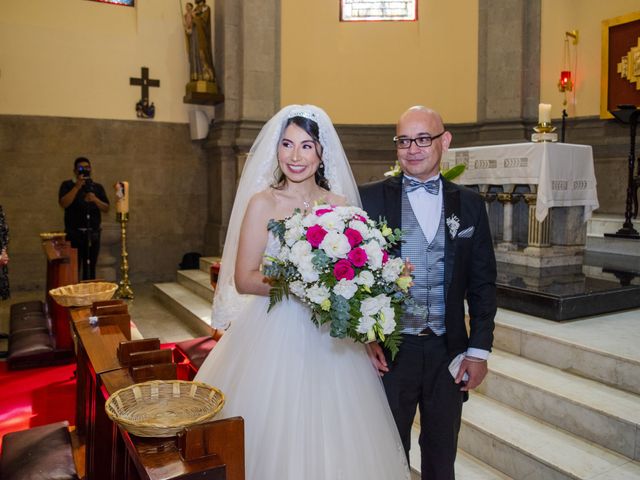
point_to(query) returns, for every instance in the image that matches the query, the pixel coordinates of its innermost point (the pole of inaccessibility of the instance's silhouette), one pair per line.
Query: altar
(539, 197)
(557, 186)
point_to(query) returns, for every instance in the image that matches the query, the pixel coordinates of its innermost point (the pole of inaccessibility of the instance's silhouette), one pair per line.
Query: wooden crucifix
(144, 109)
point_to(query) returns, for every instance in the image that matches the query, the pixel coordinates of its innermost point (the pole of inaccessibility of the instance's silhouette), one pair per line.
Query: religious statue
(202, 87)
(144, 110)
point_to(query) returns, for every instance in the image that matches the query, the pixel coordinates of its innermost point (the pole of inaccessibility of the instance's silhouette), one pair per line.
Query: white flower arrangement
(335, 259)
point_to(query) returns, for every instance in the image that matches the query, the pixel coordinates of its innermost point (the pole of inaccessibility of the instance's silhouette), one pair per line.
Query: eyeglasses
(421, 141)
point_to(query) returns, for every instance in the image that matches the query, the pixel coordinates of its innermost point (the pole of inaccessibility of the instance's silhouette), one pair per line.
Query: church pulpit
(62, 269)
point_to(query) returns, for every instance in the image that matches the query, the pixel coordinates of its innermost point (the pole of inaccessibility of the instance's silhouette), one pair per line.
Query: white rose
(297, 288)
(318, 294)
(365, 278)
(360, 227)
(377, 236)
(294, 221)
(293, 234)
(370, 306)
(299, 251)
(336, 245)
(309, 220)
(374, 254)
(392, 269)
(366, 324)
(345, 288)
(332, 221)
(387, 320)
(308, 271)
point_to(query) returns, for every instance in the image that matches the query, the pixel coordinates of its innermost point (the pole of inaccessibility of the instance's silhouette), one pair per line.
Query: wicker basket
(83, 294)
(163, 408)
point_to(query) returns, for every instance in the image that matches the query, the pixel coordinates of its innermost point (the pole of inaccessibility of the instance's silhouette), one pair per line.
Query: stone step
(191, 308)
(524, 447)
(599, 224)
(467, 467)
(586, 408)
(206, 262)
(603, 348)
(198, 282)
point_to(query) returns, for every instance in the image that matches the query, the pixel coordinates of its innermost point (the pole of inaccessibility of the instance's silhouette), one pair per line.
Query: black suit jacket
(470, 265)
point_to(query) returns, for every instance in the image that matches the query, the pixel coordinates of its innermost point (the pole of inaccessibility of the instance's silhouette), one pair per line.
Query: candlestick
(122, 197)
(124, 287)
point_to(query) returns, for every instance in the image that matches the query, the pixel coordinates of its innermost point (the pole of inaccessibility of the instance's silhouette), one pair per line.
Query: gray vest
(428, 275)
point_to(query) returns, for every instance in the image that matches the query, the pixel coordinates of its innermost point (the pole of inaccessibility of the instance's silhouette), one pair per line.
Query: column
(538, 232)
(507, 198)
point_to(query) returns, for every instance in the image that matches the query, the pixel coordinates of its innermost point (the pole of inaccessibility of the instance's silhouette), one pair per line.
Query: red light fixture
(565, 84)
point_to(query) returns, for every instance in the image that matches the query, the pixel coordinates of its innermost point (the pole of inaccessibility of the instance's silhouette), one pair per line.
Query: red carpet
(37, 396)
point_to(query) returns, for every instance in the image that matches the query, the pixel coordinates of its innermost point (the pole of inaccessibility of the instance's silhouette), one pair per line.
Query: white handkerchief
(467, 232)
(454, 367)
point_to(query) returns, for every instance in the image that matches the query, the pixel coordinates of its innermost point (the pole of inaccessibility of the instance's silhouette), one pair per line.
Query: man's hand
(476, 369)
(91, 197)
(376, 355)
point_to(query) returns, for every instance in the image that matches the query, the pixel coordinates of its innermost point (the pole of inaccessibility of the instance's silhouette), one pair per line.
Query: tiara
(303, 113)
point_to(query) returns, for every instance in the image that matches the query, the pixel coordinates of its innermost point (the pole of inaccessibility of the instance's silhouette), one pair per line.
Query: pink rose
(354, 237)
(315, 235)
(342, 269)
(360, 217)
(385, 256)
(357, 256)
(322, 211)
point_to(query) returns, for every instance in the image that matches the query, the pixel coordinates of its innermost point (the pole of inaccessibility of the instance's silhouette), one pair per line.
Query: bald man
(447, 239)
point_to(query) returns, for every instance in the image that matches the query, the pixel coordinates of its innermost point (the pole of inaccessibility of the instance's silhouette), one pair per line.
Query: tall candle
(544, 113)
(122, 197)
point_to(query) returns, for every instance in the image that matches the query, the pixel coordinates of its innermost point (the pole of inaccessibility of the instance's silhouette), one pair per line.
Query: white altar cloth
(563, 173)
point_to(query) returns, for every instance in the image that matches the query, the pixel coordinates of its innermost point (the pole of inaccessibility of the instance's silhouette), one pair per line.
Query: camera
(84, 172)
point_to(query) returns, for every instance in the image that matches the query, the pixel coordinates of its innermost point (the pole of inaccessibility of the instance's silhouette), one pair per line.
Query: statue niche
(202, 87)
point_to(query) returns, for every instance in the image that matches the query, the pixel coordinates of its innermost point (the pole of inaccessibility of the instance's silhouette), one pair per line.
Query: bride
(313, 405)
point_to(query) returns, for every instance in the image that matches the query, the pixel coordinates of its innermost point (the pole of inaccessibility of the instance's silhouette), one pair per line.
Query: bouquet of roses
(335, 260)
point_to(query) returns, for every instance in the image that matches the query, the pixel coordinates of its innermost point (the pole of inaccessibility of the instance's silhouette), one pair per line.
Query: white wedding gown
(314, 407)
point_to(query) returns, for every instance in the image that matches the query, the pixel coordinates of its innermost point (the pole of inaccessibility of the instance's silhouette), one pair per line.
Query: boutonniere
(453, 222)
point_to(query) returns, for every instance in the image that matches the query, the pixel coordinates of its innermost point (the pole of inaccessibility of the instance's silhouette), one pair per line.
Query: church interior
(112, 83)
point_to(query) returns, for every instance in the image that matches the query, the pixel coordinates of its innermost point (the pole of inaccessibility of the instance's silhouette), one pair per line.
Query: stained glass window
(128, 3)
(378, 10)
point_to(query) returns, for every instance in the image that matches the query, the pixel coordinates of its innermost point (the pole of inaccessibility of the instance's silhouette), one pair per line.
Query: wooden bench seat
(39, 453)
(192, 353)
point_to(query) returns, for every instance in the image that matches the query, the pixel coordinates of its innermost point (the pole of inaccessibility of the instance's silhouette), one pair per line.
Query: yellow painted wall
(585, 16)
(371, 72)
(73, 58)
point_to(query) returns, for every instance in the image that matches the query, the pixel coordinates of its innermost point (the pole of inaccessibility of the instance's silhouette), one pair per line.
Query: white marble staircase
(561, 401)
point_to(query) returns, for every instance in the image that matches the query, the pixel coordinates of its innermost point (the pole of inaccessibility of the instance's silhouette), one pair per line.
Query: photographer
(83, 201)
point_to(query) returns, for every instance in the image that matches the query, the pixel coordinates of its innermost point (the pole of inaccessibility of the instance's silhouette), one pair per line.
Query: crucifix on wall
(144, 108)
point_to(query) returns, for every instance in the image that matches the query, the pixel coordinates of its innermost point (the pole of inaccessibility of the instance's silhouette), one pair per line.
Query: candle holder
(544, 133)
(124, 287)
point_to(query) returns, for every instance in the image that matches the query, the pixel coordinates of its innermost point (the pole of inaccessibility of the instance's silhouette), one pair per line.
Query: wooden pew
(106, 363)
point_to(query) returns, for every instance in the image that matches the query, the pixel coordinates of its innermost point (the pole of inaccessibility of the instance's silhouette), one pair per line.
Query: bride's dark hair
(311, 127)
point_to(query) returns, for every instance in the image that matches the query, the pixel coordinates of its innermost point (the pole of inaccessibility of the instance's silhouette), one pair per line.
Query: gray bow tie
(432, 186)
